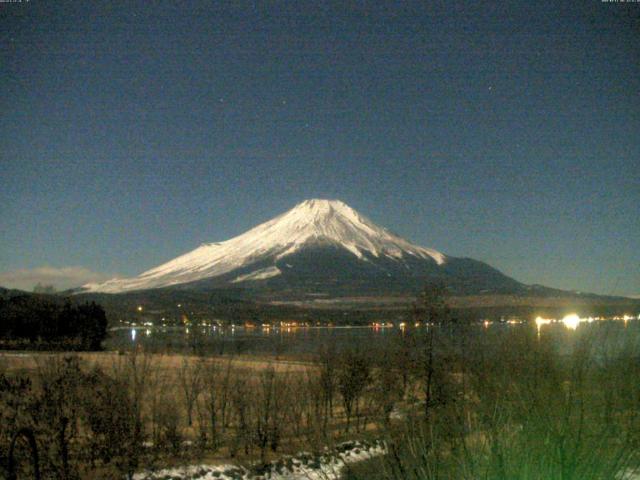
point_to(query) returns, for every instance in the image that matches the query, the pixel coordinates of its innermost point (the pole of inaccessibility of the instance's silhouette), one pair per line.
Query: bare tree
(315, 413)
(158, 382)
(388, 390)
(107, 412)
(354, 375)
(61, 382)
(294, 396)
(215, 383)
(133, 371)
(224, 394)
(190, 380)
(432, 311)
(267, 412)
(326, 361)
(241, 403)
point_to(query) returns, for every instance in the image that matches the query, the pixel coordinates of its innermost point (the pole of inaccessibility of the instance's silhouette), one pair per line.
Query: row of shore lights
(572, 320)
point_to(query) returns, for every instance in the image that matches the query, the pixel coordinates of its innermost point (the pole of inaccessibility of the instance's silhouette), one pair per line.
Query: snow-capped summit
(312, 224)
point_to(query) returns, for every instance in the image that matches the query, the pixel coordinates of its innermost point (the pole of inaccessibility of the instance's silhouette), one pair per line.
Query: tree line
(33, 321)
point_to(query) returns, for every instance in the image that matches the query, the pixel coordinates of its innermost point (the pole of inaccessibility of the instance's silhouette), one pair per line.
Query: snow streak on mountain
(310, 224)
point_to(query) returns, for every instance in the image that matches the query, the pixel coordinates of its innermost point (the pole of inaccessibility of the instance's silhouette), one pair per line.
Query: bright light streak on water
(133, 334)
(571, 321)
(542, 321)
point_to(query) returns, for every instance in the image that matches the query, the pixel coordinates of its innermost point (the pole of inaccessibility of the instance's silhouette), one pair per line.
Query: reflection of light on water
(540, 322)
(133, 334)
(148, 332)
(486, 323)
(571, 321)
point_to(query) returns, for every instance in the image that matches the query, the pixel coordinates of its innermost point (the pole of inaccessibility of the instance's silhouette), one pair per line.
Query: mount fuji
(319, 247)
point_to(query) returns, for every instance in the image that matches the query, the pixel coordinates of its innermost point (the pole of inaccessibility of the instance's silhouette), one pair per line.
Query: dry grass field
(29, 362)
(186, 408)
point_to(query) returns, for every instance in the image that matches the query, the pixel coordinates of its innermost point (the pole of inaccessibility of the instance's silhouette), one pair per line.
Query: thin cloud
(60, 278)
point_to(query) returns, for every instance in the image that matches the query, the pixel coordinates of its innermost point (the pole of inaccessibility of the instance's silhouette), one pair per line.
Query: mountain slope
(318, 247)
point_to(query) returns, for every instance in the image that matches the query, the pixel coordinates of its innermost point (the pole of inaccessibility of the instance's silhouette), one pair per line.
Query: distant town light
(571, 321)
(139, 308)
(542, 321)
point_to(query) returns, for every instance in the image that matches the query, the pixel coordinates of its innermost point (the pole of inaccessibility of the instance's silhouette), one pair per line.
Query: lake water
(300, 341)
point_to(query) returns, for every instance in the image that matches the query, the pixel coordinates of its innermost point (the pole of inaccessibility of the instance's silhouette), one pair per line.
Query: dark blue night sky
(509, 132)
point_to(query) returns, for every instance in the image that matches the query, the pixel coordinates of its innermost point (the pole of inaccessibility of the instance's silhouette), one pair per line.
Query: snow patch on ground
(629, 474)
(303, 466)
